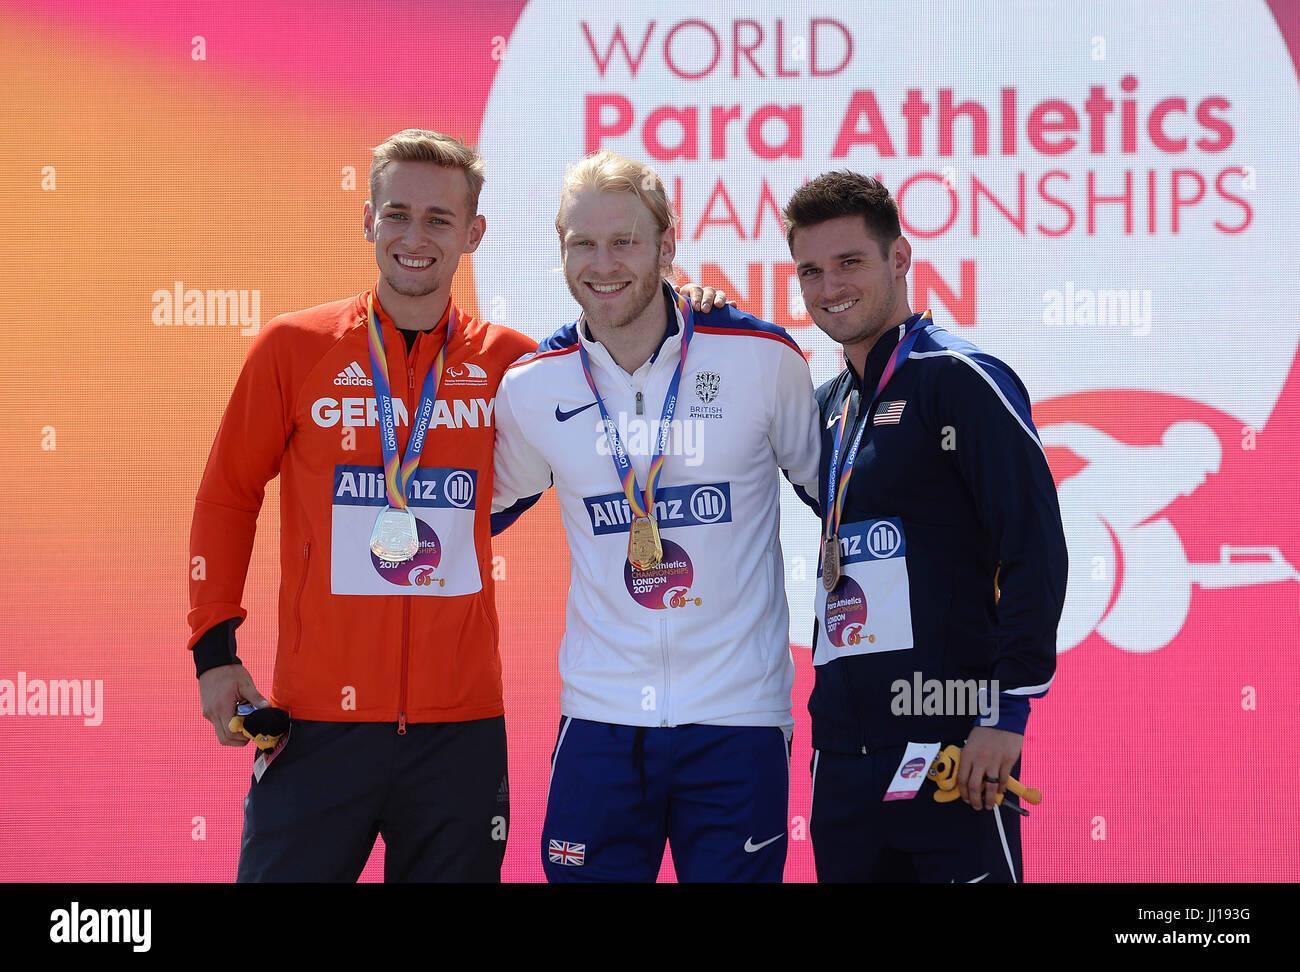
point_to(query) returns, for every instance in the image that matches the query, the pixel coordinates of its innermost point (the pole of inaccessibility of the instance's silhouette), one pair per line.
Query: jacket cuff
(1012, 714)
(216, 647)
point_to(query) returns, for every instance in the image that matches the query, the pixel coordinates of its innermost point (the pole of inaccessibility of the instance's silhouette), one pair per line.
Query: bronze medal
(644, 548)
(830, 563)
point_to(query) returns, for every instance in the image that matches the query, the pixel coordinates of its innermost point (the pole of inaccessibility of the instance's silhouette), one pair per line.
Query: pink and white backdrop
(1103, 194)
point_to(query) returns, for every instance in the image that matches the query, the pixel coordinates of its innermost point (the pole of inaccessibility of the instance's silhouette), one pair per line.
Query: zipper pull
(401, 723)
(410, 378)
(306, 549)
(639, 409)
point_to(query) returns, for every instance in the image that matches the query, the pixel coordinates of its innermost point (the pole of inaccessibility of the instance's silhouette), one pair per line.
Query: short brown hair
(844, 193)
(419, 145)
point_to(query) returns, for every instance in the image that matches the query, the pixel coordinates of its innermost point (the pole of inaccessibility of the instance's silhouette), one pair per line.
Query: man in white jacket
(663, 431)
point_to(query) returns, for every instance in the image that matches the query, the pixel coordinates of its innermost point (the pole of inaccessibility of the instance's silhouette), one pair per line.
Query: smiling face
(421, 223)
(853, 293)
(613, 253)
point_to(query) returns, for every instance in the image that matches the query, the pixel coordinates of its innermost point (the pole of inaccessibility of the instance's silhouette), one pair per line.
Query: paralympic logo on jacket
(665, 586)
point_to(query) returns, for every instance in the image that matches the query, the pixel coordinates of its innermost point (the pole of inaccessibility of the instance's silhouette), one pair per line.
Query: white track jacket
(702, 638)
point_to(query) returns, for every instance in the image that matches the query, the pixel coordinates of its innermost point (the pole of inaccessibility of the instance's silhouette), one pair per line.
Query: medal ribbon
(618, 452)
(835, 492)
(396, 479)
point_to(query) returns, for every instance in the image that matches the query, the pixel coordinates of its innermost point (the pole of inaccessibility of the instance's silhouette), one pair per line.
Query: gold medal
(830, 563)
(644, 548)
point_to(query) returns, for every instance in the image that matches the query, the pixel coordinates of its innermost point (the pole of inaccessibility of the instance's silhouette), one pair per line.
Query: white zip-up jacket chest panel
(705, 642)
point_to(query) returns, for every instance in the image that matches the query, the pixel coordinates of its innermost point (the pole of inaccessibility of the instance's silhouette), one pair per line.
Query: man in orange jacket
(376, 411)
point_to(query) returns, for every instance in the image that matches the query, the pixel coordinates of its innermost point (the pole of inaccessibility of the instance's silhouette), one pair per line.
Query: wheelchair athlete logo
(1131, 579)
(853, 635)
(676, 597)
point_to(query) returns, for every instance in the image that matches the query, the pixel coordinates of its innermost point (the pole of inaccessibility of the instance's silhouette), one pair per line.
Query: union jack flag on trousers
(563, 852)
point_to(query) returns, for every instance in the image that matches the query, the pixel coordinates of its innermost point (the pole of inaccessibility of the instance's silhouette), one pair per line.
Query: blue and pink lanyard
(396, 480)
(642, 505)
(837, 491)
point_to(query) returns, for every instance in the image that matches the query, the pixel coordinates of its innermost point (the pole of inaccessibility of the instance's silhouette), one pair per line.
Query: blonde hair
(609, 172)
(419, 145)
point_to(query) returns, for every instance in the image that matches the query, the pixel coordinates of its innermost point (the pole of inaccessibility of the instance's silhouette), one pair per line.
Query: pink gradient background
(226, 173)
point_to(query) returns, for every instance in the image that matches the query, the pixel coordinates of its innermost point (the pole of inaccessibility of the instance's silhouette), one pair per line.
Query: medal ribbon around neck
(396, 479)
(618, 451)
(835, 492)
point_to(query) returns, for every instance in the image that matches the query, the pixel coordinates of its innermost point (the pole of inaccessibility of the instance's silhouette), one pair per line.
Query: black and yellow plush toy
(943, 771)
(265, 726)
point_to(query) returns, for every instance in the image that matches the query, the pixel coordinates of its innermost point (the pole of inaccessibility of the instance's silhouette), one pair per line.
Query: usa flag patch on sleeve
(889, 413)
(563, 852)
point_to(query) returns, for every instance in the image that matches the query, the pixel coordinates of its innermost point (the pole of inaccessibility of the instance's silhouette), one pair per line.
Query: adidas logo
(353, 375)
(503, 791)
(465, 374)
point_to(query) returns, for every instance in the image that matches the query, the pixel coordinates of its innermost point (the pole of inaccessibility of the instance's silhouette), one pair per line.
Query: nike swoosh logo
(832, 420)
(750, 846)
(561, 416)
(978, 879)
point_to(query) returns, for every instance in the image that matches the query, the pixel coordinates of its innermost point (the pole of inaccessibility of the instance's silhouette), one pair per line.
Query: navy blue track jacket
(962, 468)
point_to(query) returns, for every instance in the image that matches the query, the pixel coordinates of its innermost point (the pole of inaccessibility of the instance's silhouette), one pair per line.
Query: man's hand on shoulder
(219, 689)
(704, 298)
(988, 753)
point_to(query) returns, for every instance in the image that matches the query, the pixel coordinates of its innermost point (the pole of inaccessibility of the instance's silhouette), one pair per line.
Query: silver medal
(395, 537)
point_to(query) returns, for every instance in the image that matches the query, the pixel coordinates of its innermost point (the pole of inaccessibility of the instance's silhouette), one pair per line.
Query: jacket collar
(877, 358)
(386, 323)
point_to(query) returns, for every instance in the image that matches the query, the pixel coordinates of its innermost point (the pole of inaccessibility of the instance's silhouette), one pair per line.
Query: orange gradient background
(232, 173)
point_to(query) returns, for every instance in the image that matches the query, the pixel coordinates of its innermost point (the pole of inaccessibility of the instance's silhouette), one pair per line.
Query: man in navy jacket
(943, 563)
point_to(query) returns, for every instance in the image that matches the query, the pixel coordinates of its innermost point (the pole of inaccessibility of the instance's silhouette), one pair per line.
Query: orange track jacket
(361, 641)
